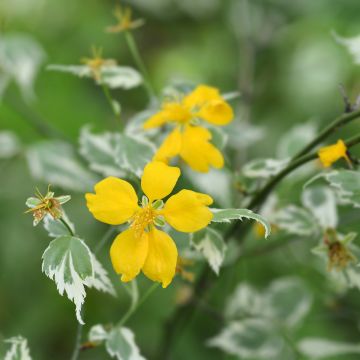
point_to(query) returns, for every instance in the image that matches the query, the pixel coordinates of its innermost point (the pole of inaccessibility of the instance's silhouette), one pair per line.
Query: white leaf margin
(239, 214)
(99, 334)
(19, 346)
(76, 291)
(100, 280)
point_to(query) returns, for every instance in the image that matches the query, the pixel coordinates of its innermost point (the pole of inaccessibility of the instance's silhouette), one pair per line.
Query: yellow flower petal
(217, 112)
(128, 253)
(170, 148)
(156, 120)
(198, 152)
(330, 154)
(160, 264)
(171, 111)
(159, 179)
(201, 95)
(187, 211)
(114, 201)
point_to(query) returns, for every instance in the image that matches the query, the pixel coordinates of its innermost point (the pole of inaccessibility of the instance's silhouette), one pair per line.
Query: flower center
(147, 216)
(339, 256)
(143, 219)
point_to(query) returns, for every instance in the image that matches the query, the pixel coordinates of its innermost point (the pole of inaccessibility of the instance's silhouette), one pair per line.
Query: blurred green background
(279, 54)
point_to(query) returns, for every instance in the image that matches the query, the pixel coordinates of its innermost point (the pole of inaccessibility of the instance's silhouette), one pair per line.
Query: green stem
(112, 102)
(134, 306)
(335, 125)
(140, 64)
(76, 351)
(272, 183)
(68, 227)
(104, 239)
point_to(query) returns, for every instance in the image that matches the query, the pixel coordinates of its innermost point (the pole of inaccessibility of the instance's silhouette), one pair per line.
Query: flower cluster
(143, 246)
(189, 139)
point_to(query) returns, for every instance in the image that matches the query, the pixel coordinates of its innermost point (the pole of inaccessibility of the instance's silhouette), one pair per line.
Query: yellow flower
(125, 21)
(330, 154)
(143, 247)
(96, 63)
(189, 140)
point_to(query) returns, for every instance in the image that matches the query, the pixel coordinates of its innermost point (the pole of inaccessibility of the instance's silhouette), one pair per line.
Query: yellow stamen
(142, 219)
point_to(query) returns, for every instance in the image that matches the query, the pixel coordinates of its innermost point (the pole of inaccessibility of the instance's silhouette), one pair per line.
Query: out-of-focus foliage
(283, 298)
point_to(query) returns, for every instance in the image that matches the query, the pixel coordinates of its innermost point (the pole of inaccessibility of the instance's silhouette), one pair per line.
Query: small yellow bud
(330, 154)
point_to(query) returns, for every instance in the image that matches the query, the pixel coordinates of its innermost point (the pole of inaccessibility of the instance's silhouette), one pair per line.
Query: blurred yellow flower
(189, 140)
(142, 246)
(330, 154)
(125, 21)
(96, 63)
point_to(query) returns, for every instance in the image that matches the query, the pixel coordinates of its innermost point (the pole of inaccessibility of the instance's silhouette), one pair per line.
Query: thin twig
(68, 227)
(140, 64)
(335, 125)
(134, 306)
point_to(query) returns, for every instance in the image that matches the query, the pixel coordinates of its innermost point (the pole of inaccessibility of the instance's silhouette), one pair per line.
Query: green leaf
(210, 243)
(249, 338)
(78, 70)
(246, 301)
(113, 76)
(135, 125)
(100, 281)
(19, 349)
(347, 182)
(121, 345)
(242, 135)
(264, 168)
(119, 342)
(123, 77)
(115, 154)
(97, 334)
(287, 300)
(55, 227)
(352, 45)
(295, 220)
(20, 60)
(133, 153)
(226, 215)
(295, 139)
(9, 144)
(55, 162)
(100, 151)
(317, 348)
(68, 261)
(321, 201)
